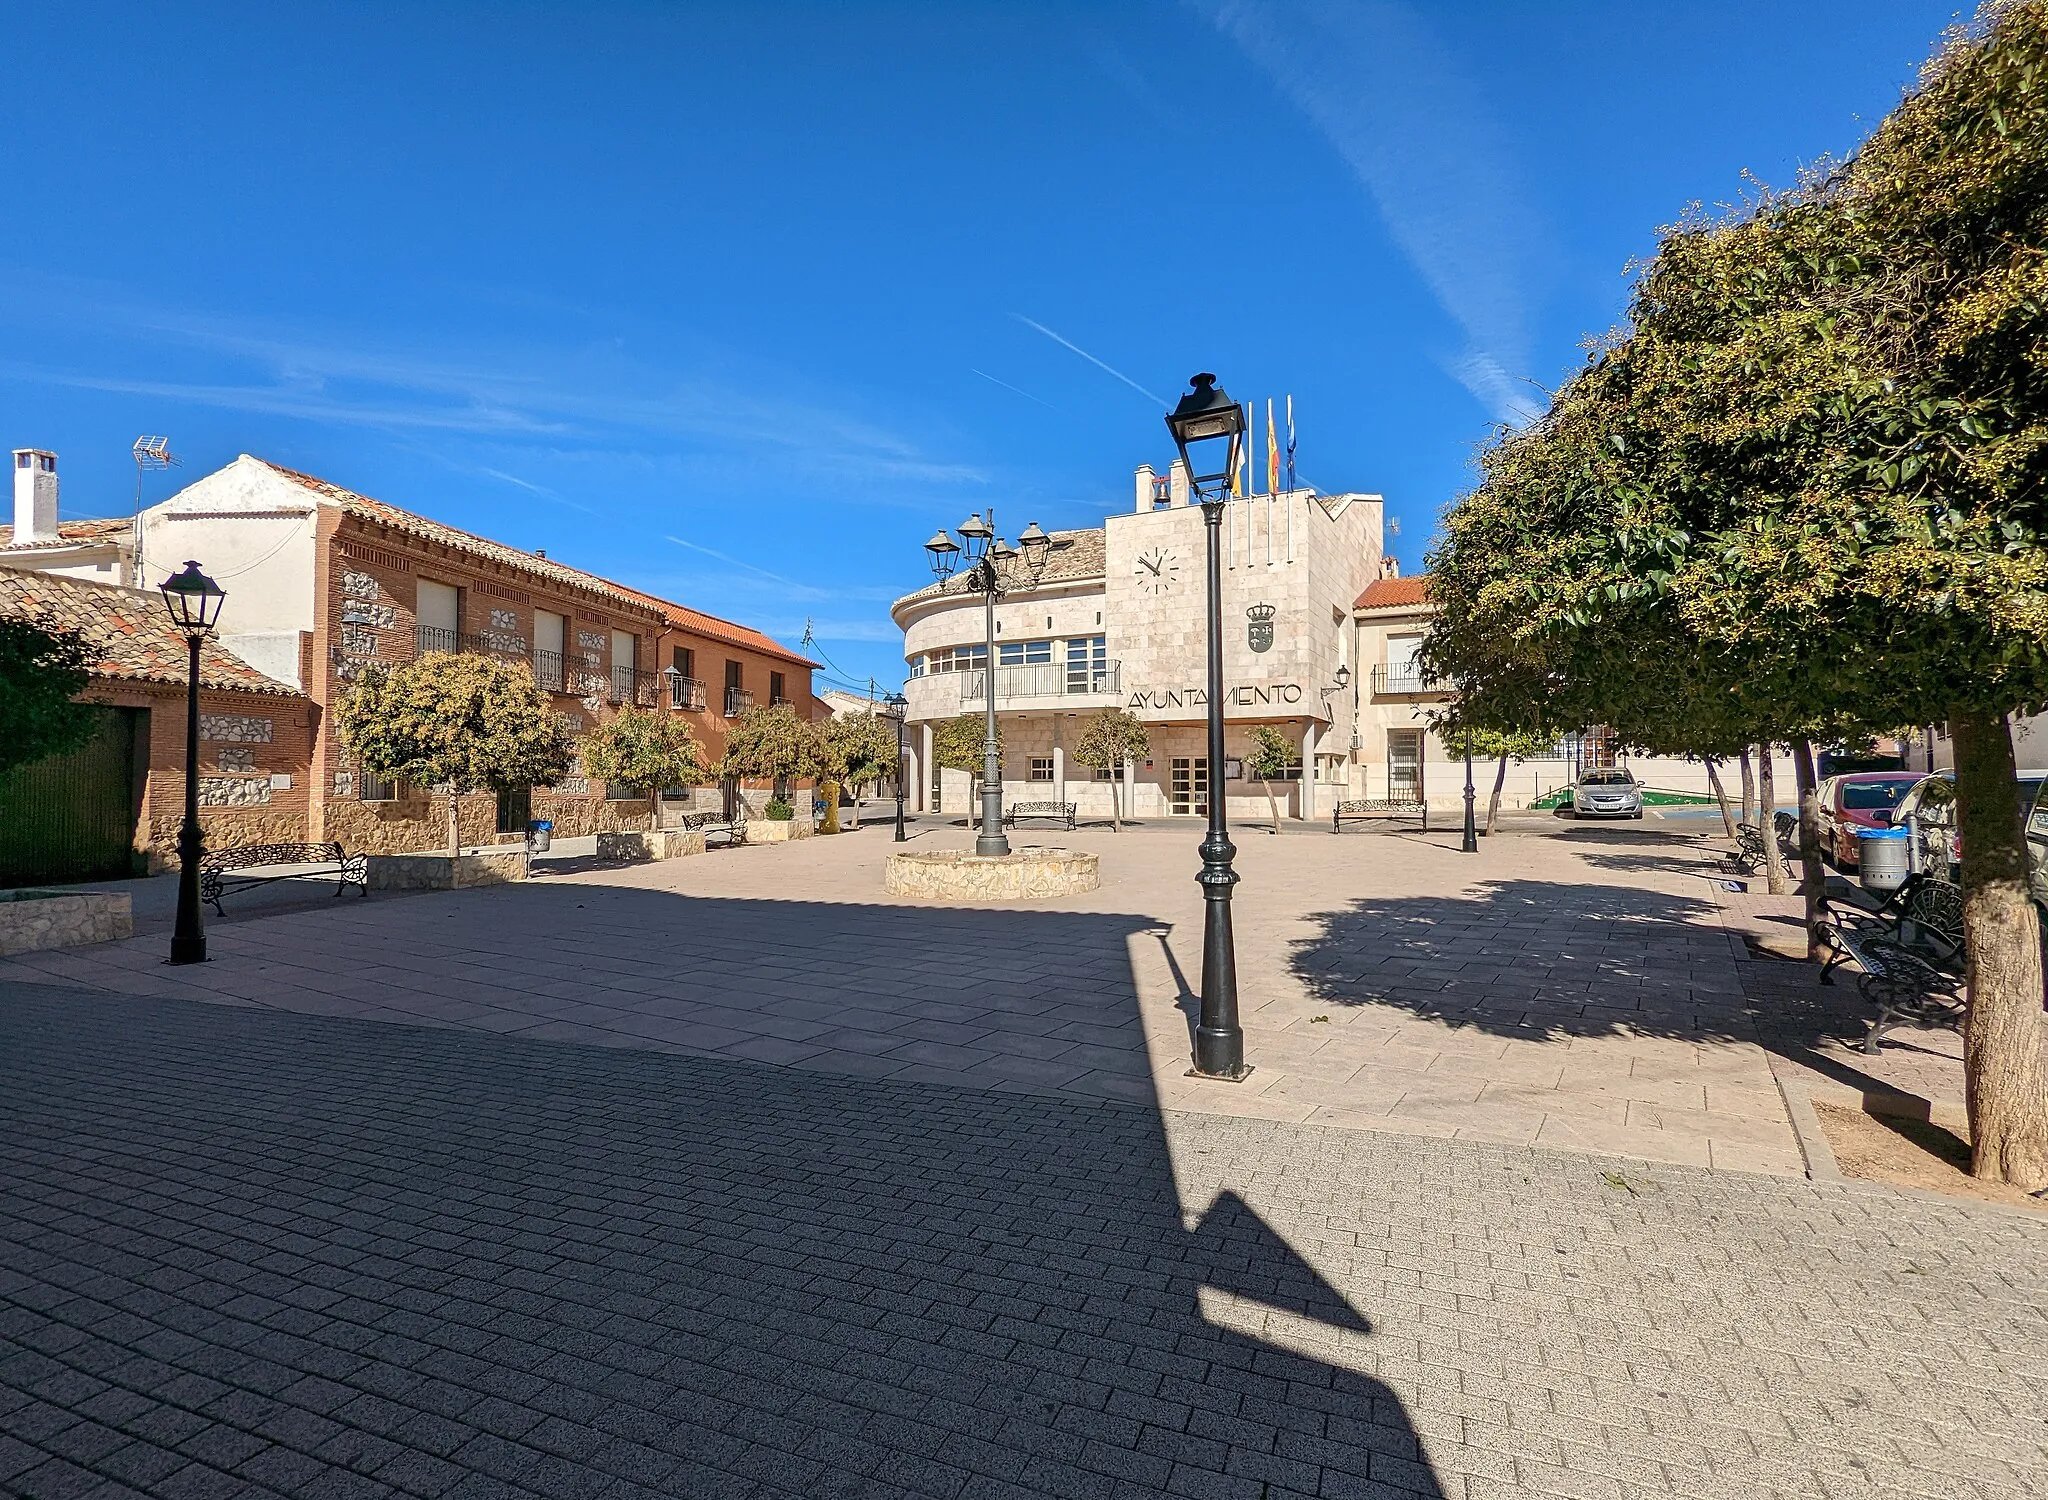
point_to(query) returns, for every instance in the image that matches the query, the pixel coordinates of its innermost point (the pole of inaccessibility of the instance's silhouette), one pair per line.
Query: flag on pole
(1272, 453)
(1244, 454)
(1237, 472)
(1290, 442)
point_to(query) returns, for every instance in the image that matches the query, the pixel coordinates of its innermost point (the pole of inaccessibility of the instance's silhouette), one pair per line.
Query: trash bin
(540, 833)
(1884, 858)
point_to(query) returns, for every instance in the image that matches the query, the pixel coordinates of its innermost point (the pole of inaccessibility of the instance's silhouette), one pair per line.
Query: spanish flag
(1272, 452)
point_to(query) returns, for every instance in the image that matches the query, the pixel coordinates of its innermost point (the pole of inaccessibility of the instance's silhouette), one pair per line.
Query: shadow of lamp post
(1209, 426)
(992, 570)
(194, 601)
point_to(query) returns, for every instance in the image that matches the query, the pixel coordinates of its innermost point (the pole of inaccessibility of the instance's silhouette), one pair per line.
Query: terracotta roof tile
(71, 533)
(698, 623)
(128, 631)
(1391, 593)
(364, 508)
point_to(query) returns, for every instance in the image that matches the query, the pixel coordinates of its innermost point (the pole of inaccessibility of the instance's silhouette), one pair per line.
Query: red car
(1861, 799)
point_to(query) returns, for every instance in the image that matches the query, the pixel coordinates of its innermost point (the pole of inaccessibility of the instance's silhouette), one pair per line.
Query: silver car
(1607, 794)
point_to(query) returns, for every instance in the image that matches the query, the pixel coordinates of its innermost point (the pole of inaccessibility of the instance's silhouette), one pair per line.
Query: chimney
(1390, 567)
(35, 496)
(541, 553)
(1144, 488)
(1177, 483)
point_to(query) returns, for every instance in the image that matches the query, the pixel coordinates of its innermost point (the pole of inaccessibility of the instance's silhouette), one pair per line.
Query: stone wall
(31, 921)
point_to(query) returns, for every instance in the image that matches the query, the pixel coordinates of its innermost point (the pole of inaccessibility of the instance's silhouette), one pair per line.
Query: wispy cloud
(734, 562)
(591, 394)
(1065, 344)
(1421, 140)
(1008, 387)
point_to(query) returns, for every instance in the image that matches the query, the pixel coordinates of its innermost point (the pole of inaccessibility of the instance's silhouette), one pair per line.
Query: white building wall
(251, 531)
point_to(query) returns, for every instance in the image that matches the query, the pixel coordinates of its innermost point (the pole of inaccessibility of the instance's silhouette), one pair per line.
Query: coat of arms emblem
(1259, 629)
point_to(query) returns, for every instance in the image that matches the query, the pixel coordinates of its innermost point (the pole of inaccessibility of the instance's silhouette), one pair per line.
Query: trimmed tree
(1504, 747)
(958, 745)
(770, 742)
(646, 751)
(865, 744)
(41, 673)
(470, 723)
(1113, 738)
(1270, 753)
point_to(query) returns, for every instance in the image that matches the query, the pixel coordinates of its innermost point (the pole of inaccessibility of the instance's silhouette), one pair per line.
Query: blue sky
(737, 304)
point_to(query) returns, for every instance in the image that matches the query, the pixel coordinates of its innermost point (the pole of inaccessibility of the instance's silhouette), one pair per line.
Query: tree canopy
(771, 742)
(1800, 496)
(1112, 737)
(644, 750)
(471, 723)
(41, 674)
(863, 748)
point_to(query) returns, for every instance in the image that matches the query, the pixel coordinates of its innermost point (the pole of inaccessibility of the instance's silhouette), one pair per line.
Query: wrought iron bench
(216, 877)
(1786, 826)
(1911, 952)
(1751, 852)
(1058, 812)
(717, 825)
(1365, 809)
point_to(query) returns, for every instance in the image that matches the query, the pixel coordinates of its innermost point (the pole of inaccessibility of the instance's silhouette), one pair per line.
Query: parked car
(1929, 811)
(1607, 794)
(1860, 799)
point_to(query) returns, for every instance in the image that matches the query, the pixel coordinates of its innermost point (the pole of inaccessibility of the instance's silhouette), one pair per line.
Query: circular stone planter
(1022, 874)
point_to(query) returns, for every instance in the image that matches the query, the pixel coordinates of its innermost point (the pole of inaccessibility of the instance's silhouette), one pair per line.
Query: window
(1023, 653)
(21, 460)
(375, 788)
(960, 659)
(917, 665)
(735, 675)
(775, 692)
(1109, 773)
(437, 611)
(684, 660)
(1041, 768)
(1087, 663)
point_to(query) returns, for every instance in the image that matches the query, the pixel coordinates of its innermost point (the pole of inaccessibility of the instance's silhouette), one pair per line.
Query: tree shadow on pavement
(251, 1245)
(1533, 959)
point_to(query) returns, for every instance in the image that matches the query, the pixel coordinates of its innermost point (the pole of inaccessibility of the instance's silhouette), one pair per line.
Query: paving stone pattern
(247, 1252)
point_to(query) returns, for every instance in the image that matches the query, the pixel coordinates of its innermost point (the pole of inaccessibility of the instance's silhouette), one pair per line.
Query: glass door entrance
(1188, 785)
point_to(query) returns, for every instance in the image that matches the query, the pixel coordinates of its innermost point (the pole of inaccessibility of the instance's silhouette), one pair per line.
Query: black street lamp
(1209, 422)
(194, 601)
(1471, 824)
(896, 706)
(992, 569)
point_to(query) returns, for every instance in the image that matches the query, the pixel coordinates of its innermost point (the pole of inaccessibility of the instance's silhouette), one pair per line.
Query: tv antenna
(150, 453)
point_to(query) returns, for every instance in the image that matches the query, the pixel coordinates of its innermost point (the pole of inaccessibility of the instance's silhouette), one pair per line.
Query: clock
(1157, 570)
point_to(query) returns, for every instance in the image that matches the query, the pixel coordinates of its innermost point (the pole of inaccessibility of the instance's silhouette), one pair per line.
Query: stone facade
(670, 843)
(1292, 565)
(442, 872)
(33, 920)
(1023, 874)
(251, 790)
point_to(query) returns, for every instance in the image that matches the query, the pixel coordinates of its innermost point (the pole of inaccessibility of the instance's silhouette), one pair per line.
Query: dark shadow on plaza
(307, 1252)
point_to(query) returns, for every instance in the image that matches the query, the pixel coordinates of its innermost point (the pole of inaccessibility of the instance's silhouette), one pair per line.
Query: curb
(1821, 1165)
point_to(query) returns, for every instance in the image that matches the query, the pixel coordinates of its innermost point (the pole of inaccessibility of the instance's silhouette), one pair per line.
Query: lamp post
(992, 569)
(896, 706)
(194, 601)
(1471, 845)
(1205, 418)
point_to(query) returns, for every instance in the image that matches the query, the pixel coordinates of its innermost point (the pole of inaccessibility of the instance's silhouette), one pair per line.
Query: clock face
(1157, 570)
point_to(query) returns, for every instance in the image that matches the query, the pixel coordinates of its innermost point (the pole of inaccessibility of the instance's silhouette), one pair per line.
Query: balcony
(686, 694)
(428, 639)
(737, 702)
(629, 686)
(547, 671)
(1405, 679)
(1044, 680)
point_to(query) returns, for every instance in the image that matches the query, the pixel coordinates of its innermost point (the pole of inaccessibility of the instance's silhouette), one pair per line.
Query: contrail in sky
(1008, 387)
(734, 561)
(1119, 374)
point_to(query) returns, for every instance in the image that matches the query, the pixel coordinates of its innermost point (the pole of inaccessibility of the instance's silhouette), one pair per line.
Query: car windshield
(1868, 796)
(1607, 778)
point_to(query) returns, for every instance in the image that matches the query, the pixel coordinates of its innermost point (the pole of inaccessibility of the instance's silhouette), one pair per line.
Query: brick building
(115, 805)
(323, 582)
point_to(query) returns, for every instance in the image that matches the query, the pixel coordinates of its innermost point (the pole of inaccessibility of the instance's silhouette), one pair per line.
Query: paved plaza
(727, 1176)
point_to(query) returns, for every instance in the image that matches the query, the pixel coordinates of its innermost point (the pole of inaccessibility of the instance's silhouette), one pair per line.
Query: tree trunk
(1115, 815)
(1813, 876)
(1720, 796)
(2003, 1075)
(1766, 808)
(1500, 780)
(1272, 806)
(1748, 789)
(454, 824)
(856, 807)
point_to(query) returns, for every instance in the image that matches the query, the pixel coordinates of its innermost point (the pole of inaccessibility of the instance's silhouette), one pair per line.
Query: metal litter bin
(540, 835)
(1884, 858)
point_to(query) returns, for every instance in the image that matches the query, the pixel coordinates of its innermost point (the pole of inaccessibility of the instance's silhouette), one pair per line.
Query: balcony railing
(1393, 681)
(737, 702)
(629, 686)
(547, 671)
(429, 638)
(686, 693)
(1044, 680)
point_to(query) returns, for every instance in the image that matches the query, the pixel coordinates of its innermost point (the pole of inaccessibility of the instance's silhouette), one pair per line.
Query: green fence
(72, 817)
